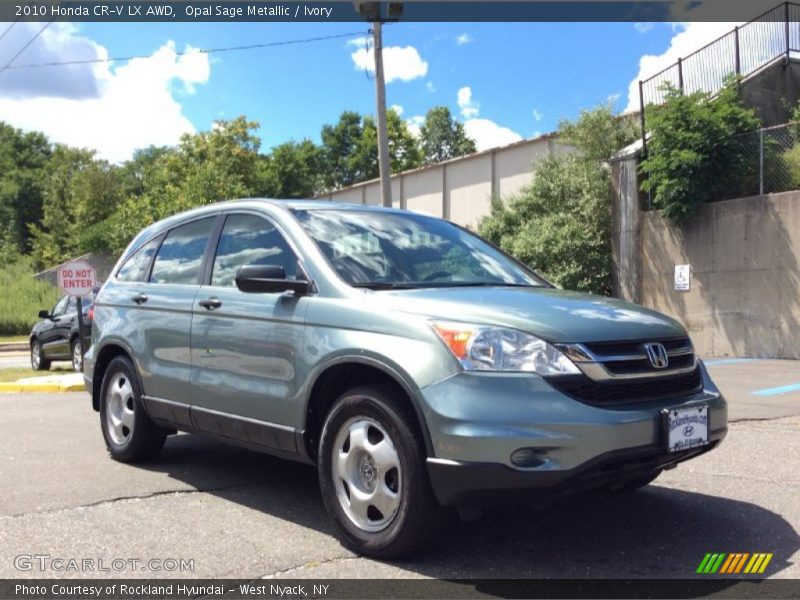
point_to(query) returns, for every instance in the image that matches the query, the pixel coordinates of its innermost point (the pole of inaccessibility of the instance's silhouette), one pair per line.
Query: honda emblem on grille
(657, 355)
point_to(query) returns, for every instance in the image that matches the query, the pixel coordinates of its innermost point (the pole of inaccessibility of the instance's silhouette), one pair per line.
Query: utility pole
(384, 164)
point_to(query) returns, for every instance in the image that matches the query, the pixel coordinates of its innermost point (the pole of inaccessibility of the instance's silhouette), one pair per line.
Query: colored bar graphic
(741, 562)
(722, 563)
(703, 563)
(732, 559)
(717, 564)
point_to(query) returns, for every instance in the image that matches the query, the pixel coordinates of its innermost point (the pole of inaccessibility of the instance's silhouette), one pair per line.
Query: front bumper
(477, 420)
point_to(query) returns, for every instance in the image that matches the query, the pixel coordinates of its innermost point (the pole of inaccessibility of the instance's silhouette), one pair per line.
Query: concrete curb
(14, 346)
(16, 387)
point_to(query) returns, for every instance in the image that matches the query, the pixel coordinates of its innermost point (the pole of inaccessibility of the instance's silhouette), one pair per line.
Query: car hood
(552, 314)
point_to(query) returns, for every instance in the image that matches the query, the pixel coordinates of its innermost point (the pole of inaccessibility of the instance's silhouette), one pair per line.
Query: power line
(179, 53)
(25, 47)
(10, 27)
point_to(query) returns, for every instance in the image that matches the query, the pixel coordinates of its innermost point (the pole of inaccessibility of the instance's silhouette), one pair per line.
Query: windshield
(386, 250)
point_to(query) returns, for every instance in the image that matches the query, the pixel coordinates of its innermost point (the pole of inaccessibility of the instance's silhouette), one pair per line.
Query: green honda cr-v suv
(415, 364)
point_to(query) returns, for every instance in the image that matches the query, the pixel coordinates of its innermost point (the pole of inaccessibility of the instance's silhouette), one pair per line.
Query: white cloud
(464, 39)
(430, 87)
(469, 108)
(397, 108)
(57, 43)
(643, 27)
(488, 134)
(537, 115)
(414, 125)
(399, 63)
(688, 38)
(133, 105)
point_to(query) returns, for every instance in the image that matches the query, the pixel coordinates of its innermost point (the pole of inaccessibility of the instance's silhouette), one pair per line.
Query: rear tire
(38, 361)
(373, 476)
(129, 433)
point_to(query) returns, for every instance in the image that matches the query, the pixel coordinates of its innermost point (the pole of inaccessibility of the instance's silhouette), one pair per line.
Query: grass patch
(14, 373)
(22, 298)
(13, 338)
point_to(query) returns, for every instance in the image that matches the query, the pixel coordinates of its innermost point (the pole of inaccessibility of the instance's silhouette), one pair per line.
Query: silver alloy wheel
(77, 357)
(36, 356)
(120, 408)
(367, 474)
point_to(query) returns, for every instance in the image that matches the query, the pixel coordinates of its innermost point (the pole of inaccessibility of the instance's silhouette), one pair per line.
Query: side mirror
(265, 279)
(43, 314)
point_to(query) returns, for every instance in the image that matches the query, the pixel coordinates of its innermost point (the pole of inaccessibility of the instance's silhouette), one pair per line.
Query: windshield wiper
(415, 285)
(386, 285)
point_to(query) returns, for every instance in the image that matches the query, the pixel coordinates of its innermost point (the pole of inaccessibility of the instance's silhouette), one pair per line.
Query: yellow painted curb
(13, 386)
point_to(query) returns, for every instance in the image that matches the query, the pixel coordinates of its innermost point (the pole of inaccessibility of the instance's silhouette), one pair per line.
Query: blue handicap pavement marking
(774, 391)
(728, 361)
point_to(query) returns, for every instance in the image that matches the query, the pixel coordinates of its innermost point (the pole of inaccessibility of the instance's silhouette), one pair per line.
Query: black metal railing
(749, 48)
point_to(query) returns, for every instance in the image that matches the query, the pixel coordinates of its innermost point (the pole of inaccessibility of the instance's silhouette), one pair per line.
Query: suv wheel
(372, 474)
(38, 361)
(129, 433)
(77, 356)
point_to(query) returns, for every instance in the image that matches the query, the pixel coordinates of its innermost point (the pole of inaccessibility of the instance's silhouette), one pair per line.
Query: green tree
(23, 169)
(293, 170)
(404, 150)
(599, 133)
(443, 137)
(350, 149)
(340, 143)
(695, 153)
(560, 224)
(206, 167)
(80, 193)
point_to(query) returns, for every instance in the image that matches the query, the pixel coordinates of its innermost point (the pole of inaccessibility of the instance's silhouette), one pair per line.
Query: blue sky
(506, 80)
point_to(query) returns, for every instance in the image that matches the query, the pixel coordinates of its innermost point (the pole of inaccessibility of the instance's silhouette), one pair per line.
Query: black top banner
(410, 11)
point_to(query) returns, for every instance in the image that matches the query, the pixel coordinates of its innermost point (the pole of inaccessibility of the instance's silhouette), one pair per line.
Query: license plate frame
(686, 427)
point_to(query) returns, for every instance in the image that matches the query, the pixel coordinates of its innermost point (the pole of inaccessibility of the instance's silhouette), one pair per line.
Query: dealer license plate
(686, 427)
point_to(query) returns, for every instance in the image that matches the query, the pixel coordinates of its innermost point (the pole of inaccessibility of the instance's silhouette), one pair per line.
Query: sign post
(78, 278)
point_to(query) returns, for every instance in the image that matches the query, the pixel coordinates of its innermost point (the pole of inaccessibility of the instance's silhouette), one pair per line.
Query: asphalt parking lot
(239, 514)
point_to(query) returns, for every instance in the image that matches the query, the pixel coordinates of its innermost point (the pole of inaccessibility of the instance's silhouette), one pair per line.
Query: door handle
(140, 298)
(210, 303)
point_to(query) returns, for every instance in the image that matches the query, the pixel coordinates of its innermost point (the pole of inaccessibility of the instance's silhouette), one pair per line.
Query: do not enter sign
(77, 278)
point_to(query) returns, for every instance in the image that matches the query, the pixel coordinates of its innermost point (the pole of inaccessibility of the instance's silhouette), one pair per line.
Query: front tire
(372, 474)
(129, 433)
(38, 361)
(77, 356)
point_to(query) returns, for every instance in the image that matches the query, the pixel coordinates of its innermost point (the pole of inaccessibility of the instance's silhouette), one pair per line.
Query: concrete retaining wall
(460, 189)
(745, 290)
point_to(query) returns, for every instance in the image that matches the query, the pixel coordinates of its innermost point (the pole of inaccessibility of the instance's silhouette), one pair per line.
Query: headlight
(485, 348)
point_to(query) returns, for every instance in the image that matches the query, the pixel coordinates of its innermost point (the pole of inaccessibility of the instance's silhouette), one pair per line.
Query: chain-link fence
(773, 161)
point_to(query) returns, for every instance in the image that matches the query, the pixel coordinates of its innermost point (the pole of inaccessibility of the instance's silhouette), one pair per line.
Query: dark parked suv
(55, 337)
(416, 365)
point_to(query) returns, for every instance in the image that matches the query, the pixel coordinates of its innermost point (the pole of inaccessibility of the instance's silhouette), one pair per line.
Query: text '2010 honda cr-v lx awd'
(415, 364)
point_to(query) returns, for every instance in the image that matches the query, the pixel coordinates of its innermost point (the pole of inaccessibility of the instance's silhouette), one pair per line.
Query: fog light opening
(526, 457)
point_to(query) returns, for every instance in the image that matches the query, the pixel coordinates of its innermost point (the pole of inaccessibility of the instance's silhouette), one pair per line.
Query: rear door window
(138, 263)
(180, 258)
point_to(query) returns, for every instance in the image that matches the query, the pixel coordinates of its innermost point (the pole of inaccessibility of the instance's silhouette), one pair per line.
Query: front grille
(629, 358)
(636, 347)
(631, 391)
(626, 367)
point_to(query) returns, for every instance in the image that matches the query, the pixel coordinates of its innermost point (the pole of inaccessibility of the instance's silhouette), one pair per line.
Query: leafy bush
(560, 224)
(23, 297)
(695, 153)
